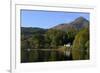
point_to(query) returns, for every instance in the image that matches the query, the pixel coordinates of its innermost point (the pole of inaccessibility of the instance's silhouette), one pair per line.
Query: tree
(55, 38)
(37, 41)
(79, 44)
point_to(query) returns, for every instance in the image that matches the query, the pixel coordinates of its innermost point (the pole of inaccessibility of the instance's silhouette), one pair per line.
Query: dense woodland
(34, 39)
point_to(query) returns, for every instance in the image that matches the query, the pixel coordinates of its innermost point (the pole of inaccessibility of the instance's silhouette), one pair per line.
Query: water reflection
(44, 56)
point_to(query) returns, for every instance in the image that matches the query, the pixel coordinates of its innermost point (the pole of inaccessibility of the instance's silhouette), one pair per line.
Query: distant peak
(80, 18)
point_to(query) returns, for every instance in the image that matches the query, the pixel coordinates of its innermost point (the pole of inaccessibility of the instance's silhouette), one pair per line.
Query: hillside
(77, 24)
(29, 31)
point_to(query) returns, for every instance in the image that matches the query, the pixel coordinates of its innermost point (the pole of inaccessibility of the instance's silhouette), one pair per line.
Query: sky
(48, 19)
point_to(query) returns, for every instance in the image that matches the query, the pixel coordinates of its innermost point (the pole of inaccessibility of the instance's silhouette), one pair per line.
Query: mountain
(77, 24)
(29, 31)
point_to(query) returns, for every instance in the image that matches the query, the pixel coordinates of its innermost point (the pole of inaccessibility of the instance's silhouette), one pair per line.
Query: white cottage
(67, 45)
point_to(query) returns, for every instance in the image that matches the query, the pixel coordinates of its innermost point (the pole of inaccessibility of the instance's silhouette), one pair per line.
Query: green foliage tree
(79, 44)
(54, 38)
(37, 41)
(71, 35)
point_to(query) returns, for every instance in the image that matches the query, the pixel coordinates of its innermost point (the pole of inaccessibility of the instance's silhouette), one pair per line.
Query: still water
(45, 56)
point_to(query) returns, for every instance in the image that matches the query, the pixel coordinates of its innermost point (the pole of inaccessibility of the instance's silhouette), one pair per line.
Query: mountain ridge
(78, 23)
